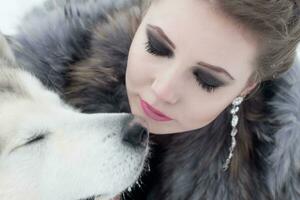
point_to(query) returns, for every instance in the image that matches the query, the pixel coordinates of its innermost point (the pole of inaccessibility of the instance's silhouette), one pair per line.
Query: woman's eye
(206, 81)
(157, 48)
(207, 87)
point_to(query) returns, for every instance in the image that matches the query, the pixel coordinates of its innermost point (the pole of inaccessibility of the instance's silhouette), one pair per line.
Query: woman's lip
(153, 113)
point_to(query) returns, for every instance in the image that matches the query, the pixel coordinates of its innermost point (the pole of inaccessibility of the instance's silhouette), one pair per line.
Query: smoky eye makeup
(156, 46)
(207, 81)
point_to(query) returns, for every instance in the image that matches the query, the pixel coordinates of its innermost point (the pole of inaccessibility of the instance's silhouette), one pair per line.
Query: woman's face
(188, 61)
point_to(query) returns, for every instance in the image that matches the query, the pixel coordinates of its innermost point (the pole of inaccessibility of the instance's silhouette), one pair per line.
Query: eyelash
(205, 86)
(157, 52)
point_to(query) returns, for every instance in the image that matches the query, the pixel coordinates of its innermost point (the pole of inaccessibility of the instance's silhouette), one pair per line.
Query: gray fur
(284, 174)
(5, 52)
(7, 80)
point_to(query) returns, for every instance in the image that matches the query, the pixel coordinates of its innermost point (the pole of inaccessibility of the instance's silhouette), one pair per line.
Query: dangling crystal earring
(235, 108)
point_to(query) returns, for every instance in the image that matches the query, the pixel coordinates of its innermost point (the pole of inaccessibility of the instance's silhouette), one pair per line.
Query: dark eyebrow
(215, 68)
(162, 34)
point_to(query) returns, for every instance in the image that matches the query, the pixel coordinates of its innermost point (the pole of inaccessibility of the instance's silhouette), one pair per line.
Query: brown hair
(276, 24)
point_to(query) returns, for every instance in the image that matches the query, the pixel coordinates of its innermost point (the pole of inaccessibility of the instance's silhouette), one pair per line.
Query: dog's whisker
(138, 183)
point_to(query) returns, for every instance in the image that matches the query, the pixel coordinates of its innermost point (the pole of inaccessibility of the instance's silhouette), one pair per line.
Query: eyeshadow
(208, 78)
(157, 45)
(159, 33)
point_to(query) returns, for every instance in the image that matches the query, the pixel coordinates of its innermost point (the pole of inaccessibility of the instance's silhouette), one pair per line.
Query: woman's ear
(249, 87)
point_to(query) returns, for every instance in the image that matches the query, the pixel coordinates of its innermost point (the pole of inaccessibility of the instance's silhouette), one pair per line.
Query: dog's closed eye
(35, 138)
(32, 140)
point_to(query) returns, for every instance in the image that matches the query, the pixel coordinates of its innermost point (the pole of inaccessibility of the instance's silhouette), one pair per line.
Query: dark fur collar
(81, 52)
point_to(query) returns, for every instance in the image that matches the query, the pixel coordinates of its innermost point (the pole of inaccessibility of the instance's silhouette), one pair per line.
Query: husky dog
(51, 151)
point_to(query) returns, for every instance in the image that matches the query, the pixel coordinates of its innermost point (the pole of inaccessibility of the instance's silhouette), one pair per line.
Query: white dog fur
(50, 151)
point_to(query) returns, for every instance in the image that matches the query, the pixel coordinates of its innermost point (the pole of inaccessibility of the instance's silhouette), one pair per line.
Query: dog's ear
(6, 52)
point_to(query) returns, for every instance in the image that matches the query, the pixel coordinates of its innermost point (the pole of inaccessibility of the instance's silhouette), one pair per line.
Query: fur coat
(80, 50)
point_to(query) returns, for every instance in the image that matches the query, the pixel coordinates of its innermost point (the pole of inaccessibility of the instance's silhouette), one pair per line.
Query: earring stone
(234, 121)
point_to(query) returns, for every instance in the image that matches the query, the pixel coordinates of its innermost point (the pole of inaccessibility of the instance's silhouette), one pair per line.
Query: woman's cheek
(202, 114)
(136, 70)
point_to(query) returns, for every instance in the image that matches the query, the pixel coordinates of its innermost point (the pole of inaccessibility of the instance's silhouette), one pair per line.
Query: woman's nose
(166, 88)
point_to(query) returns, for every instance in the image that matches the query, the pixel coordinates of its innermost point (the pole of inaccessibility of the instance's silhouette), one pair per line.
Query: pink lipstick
(153, 113)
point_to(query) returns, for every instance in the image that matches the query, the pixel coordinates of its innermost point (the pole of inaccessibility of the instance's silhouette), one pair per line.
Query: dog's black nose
(135, 133)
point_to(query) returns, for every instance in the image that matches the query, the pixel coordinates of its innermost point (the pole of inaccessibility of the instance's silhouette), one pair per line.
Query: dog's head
(49, 150)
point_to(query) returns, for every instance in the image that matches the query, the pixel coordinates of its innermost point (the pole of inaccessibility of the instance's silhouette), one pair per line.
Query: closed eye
(35, 139)
(39, 137)
(157, 47)
(207, 81)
